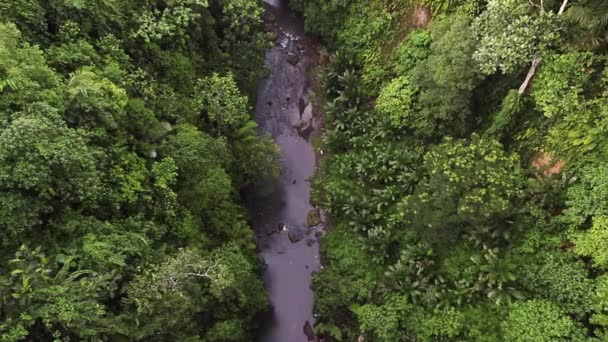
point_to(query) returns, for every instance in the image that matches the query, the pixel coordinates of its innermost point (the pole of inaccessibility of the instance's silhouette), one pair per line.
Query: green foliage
(398, 101)
(123, 174)
(560, 279)
(222, 277)
(322, 17)
(34, 290)
(471, 183)
(539, 320)
(413, 50)
(41, 154)
(257, 160)
(591, 243)
(600, 306)
(437, 235)
(24, 76)
(446, 78)
(504, 119)
(559, 86)
(171, 22)
(383, 322)
(446, 324)
(587, 198)
(510, 34)
(221, 103)
(94, 101)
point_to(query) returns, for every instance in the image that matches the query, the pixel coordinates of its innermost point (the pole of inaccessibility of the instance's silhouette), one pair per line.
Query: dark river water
(283, 110)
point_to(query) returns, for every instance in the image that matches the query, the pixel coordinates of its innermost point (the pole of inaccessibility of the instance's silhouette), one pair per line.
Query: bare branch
(201, 274)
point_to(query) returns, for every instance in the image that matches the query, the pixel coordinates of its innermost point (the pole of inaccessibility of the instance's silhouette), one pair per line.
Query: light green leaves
(558, 87)
(510, 34)
(539, 320)
(221, 102)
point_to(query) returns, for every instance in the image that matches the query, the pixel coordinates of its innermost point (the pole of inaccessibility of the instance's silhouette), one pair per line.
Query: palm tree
(591, 16)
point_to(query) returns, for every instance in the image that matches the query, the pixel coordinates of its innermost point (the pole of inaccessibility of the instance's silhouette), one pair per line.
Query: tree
(185, 282)
(24, 76)
(160, 22)
(446, 78)
(590, 243)
(93, 101)
(42, 161)
(591, 18)
(471, 183)
(41, 299)
(538, 320)
(385, 321)
(587, 198)
(200, 159)
(398, 101)
(221, 104)
(257, 160)
(511, 34)
(559, 86)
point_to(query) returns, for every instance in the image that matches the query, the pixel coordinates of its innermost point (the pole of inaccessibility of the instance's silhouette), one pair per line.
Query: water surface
(283, 110)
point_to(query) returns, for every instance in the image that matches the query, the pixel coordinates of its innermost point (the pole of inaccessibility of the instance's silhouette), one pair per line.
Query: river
(283, 110)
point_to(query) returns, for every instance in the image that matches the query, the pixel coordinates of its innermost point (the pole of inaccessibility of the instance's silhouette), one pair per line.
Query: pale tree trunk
(531, 72)
(563, 7)
(536, 61)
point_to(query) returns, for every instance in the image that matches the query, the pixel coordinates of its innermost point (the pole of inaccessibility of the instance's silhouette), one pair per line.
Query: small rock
(300, 124)
(269, 103)
(294, 236)
(318, 234)
(293, 59)
(294, 182)
(287, 98)
(314, 217)
(310, 242)
(305, 266)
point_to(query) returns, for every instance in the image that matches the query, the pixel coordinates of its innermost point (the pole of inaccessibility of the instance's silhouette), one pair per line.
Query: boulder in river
(295, 235)
(293, 59)
(309, 332)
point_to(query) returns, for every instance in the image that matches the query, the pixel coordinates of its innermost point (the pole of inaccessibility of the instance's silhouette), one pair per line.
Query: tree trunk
(531, 72)
(563, 7)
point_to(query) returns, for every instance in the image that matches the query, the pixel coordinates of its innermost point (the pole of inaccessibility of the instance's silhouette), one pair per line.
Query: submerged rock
(309, 332)
(293, 59)
(295, 235)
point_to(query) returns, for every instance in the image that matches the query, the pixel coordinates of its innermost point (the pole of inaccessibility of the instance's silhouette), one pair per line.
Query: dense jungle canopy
(464, 170)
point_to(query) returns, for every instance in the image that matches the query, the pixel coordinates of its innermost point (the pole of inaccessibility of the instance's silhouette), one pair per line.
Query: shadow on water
(283, 110)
